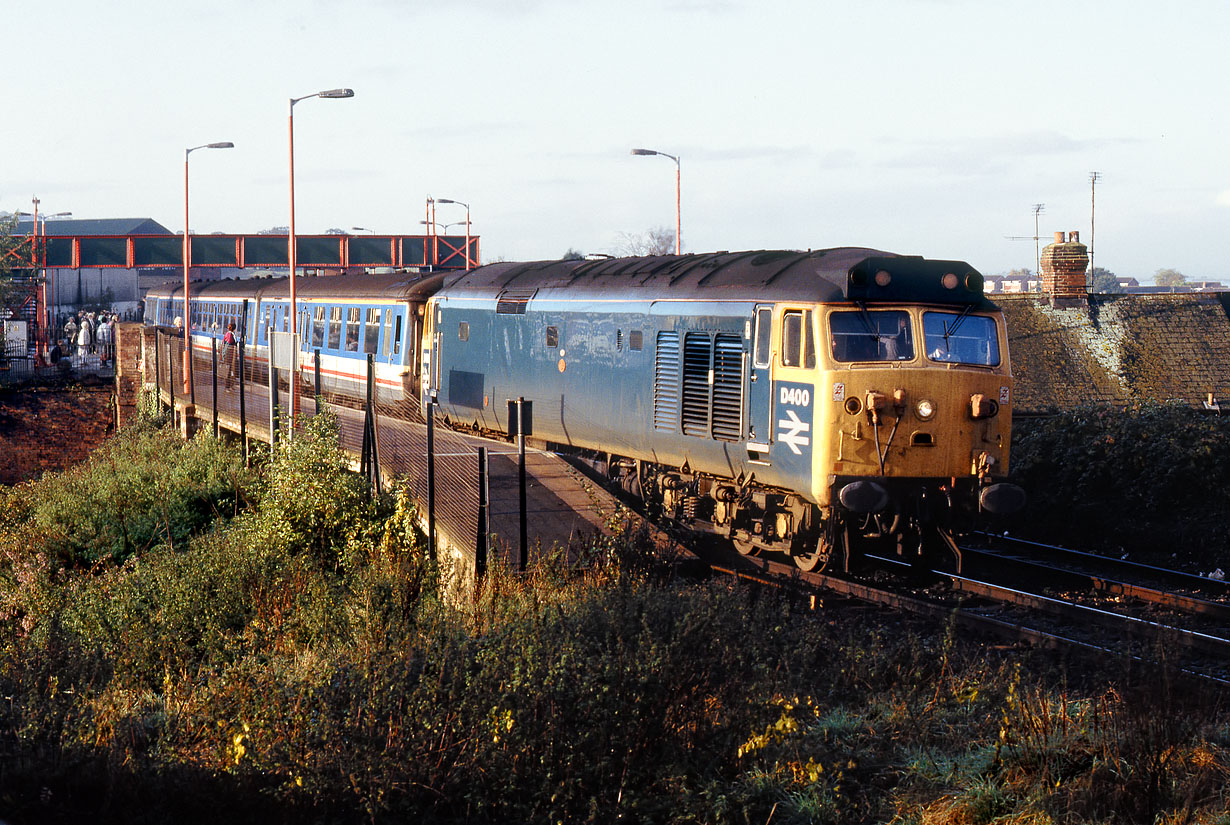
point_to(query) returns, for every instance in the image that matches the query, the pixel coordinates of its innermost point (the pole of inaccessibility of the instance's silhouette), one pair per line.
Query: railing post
(171, 363)
(484, 523)
(157, 375)
(213, 351)
(316, 366)
(243, 412)
(431, 476)
(521, 424)
(273, 403)
(191, 363)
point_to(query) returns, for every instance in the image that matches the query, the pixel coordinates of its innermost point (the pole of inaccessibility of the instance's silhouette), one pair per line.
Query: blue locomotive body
(760, 392)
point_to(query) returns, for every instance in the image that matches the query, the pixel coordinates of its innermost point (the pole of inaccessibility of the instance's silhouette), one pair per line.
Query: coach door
(760, 386)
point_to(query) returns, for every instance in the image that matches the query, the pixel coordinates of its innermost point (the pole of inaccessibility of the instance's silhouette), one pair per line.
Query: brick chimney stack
(1063, 267)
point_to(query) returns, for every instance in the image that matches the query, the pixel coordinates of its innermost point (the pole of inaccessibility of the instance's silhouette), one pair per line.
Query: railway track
(1126, 621)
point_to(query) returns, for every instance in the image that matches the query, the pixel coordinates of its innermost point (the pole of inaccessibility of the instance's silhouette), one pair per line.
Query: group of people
(87, 333)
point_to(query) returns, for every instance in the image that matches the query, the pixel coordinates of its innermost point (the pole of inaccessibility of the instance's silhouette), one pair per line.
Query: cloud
(989, 154)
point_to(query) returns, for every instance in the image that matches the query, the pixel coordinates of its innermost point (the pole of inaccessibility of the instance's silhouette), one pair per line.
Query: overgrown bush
(141, 488)
(1150, 477)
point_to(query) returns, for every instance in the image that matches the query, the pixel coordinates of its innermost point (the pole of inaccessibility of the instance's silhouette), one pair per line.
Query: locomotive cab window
(798, 343)
(463, 330)
(961, 338)
(864, 335)
(635, 340)
(552, 337)
(764, 330)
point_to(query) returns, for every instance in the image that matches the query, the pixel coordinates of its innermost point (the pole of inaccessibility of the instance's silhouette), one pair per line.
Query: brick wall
(128, 377)
(1063, 267)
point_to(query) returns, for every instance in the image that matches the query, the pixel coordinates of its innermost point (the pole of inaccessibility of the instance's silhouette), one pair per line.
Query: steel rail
(1202, 642)
(1191, 580)
(779, 575)
(1109, 586)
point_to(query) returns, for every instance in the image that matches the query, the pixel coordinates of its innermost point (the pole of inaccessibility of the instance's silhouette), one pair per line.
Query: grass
(276, 644)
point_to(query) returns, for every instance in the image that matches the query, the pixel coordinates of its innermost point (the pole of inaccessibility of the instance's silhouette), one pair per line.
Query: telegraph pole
(1038, 207)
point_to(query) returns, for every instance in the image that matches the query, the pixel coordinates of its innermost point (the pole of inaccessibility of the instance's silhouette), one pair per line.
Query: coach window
(335, 328)
(371, 331)
(552, 337)
(318, 327)
(397, 335)
(463, 331)
(352, 329)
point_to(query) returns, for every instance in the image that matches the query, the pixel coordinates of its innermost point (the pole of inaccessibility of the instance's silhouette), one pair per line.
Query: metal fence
(37, 365)
(237, 392)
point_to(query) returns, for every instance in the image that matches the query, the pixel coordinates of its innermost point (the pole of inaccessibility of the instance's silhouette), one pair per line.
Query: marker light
(883, 278)
(924, 409)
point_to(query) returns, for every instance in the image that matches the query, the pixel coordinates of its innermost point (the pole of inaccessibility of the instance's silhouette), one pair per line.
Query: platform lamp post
(678, 219)
(37, 242)
(445, 225)
(290, 248)
(226, 144)
(47, 310)
(467, 206)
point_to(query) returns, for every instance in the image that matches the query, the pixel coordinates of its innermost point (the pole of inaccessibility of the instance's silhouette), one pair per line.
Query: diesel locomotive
(818, 403)
(824, 404)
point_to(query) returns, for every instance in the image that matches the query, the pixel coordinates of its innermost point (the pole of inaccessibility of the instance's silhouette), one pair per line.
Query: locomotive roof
(825, 275)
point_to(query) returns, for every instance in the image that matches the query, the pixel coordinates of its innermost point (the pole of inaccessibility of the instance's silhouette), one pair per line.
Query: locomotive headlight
(883, 278)
(950, 280)
(924, 409)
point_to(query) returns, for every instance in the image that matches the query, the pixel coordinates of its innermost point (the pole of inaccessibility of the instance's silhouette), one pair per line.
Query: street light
(467, 206)
(47, 316)
(434, 224)
(678, 221)
(290, 252)
(226, 144)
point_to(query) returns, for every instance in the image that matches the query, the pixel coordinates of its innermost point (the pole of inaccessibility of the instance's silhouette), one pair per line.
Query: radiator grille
(728, 387)
(666, 382)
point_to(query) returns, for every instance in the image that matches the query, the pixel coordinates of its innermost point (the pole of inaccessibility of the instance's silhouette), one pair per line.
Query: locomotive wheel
(814, 559)
(744, 544)
(828, 549)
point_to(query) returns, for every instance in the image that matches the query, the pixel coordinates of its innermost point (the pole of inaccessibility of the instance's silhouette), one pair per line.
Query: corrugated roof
(97, 226)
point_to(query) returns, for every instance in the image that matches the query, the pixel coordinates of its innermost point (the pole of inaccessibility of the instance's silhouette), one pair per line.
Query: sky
(929, 127)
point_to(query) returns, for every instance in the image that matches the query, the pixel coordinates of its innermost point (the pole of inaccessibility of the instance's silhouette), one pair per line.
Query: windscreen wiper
(955, 325)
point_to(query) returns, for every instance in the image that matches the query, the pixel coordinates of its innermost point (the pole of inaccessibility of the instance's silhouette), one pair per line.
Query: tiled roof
(1118, 349)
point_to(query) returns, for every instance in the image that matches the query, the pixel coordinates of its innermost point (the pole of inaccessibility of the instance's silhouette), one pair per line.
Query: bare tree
(657, 241)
